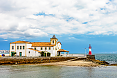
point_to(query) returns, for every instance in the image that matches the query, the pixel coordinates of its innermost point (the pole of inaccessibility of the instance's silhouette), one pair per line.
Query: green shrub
(45, 54)
(48, 54)
(42, 53)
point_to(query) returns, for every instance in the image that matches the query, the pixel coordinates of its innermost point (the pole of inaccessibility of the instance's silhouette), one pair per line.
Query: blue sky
(76, 23)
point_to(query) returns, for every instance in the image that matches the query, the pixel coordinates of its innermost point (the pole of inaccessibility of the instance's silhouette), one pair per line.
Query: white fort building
(32, 49)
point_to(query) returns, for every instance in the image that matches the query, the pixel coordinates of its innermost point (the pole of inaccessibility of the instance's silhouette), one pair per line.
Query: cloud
(73, 38)
(35, 18)
(5, 40)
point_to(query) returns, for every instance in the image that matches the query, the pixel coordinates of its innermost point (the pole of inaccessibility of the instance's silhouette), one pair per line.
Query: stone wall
(90, 56)
(32, 60)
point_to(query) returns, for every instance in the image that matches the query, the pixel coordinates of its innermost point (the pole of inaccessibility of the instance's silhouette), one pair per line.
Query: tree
(42, 53)
(48, 54)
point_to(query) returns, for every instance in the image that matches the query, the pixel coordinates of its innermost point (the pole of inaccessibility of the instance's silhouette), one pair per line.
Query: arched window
(12, 47)
(20, 47)
(49, 48)
(29, 51)
(41, 48)
(23, 47)
(35, 48)
(53, 41)
(45, 48)
(17, 47)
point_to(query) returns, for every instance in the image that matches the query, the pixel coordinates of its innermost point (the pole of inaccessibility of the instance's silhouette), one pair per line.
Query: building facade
(31, 49)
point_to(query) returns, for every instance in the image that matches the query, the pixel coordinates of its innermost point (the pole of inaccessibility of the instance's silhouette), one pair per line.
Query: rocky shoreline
(81, 63)
(56, 61)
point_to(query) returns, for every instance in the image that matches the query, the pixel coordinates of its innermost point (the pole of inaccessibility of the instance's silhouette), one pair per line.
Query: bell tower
(53, 40)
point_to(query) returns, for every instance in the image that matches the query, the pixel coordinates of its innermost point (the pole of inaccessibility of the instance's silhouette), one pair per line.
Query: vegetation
(13, 53)
(48, 54)
(43, 54)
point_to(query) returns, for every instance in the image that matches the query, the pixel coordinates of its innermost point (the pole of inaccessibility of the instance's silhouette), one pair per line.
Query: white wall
(20, 50)
(25, 52)
(43, 49)
(11, 47)
(32, 53)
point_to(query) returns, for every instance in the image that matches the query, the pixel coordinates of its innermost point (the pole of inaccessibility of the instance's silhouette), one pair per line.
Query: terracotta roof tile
(20, 42)
(62, 50)
(58, 42)
(41, 44)
(36, 44)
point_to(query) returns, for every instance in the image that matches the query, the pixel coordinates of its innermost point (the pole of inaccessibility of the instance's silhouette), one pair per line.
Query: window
(23, 47)
(53, 41)
(49, 48)
(20, 47)
(29, 51)
(17, 47)
(53, 48)
(41, 48)
(45, 48)
(35, 48)
(12, 47)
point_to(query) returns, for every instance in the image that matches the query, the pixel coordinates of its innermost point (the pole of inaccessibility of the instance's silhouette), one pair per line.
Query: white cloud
(5, 40)
(19, 19)
(73, 38)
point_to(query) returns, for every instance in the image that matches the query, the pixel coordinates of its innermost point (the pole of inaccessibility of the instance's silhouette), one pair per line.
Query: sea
(110, 58)
(36, 71)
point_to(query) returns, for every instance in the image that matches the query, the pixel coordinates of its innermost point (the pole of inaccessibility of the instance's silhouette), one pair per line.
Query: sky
(76, 23)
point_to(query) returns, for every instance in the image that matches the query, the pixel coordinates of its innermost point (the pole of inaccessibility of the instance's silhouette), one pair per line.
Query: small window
(41, 48)
(12, 47)
(45, 48)
(23, 47)
(53, 41)
(29, 51)
(49, 48)
(20, 47)
(17, 47)
(35, 48)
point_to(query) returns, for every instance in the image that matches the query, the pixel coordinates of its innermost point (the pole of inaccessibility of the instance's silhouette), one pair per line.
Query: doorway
(20, 54)
(13, 54)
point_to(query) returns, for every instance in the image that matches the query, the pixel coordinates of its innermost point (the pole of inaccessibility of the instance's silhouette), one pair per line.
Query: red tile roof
(42, 44)
(36, 44)
(62, 50)
(20, 42)
(58, 42)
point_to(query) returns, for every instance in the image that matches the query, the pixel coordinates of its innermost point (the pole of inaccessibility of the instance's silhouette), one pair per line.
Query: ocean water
(110, 58)
(36, 71)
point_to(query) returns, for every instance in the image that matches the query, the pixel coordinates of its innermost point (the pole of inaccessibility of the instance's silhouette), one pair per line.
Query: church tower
(53, 40)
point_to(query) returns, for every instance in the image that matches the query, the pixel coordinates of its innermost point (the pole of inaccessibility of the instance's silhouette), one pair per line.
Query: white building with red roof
(32, 49)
